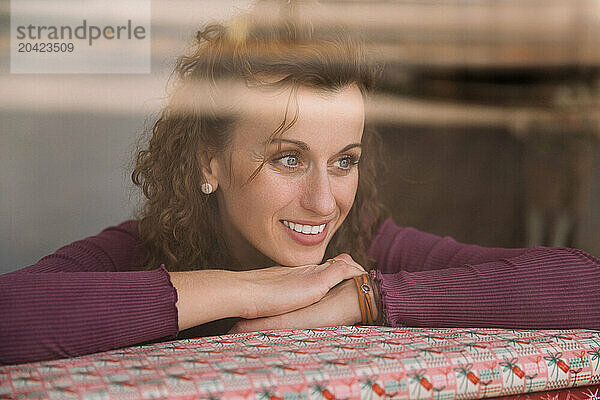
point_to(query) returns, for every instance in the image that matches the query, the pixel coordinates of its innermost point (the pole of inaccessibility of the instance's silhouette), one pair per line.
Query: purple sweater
(86, 298)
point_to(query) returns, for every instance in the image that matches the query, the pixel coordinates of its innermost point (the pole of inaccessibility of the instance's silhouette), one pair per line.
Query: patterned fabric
(339, 362)
(574, 393)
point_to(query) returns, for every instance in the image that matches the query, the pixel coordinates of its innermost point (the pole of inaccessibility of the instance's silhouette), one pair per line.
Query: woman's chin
(296, 260)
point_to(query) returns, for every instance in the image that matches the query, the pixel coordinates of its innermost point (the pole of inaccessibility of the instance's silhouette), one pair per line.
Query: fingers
(348, 259)
(344, 259)
(260, 324)
(340, 269)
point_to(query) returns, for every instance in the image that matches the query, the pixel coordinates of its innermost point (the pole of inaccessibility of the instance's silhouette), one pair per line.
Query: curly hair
(180, 226)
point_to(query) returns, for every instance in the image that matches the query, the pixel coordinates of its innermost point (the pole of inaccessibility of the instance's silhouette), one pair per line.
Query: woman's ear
(209, 168)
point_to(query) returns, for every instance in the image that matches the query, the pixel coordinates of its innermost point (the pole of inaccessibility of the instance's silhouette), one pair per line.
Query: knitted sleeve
(85, 298)
(428, 281)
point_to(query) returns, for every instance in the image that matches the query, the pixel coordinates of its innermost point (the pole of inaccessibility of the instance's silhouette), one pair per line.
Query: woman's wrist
(353, 315)
(367, 308)
(207, 295)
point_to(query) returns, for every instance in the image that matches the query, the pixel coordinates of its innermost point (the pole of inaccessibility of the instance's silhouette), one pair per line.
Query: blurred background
(490, 110)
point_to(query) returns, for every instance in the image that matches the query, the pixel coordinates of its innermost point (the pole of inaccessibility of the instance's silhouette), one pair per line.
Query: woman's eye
(290, 161)
(345, 163)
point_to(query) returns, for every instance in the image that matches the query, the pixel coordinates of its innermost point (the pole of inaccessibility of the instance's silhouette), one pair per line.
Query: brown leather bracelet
(360, 300)
(364, 299)
(364, 294)
(367, 295)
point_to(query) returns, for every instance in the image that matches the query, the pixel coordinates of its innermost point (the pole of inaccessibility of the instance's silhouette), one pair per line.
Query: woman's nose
(317, 193)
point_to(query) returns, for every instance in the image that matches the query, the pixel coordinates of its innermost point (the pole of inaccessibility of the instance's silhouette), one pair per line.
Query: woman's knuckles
(340, 271)
(348, 270)
(345, 257)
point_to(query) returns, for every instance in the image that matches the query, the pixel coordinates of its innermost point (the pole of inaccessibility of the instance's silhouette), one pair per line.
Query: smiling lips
(305, 229)
(305, 234)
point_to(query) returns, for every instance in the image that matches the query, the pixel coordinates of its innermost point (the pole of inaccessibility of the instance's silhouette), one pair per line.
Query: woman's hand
(338, 307)
(280, 290)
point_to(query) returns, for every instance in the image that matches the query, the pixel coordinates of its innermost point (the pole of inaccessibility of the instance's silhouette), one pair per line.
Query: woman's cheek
(277, 190)
(346, 190)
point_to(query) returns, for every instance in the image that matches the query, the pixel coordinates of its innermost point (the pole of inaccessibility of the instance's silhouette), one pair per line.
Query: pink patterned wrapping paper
(342, 362)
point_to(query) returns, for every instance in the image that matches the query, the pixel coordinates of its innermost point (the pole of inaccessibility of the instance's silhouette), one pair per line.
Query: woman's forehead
(320, 114)
(272, 102)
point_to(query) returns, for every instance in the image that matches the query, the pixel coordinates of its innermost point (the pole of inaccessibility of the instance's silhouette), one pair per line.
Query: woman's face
(289, 212)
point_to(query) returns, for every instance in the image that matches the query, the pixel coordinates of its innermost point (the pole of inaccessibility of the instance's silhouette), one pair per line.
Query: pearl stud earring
(206, 188)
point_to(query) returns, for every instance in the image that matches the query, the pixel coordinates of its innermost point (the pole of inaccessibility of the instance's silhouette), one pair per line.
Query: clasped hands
(310, 296)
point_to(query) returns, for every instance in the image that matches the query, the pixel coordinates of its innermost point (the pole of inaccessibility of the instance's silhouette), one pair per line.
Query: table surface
(336, 362)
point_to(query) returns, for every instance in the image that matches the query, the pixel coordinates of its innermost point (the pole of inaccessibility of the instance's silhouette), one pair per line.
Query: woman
(248, 189)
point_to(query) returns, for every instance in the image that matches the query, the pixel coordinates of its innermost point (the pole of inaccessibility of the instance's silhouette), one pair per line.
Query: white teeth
(305, 229)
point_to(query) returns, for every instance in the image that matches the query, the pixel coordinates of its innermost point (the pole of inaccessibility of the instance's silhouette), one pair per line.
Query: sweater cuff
(375, 278)
(173, 301)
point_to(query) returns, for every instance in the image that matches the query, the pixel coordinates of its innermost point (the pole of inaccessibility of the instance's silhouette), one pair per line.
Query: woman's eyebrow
(306, 147)
(298, 143)
(350, 146)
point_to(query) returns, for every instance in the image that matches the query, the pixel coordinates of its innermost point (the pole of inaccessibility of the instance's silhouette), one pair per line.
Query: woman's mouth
(305, 229)
(306, 234)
